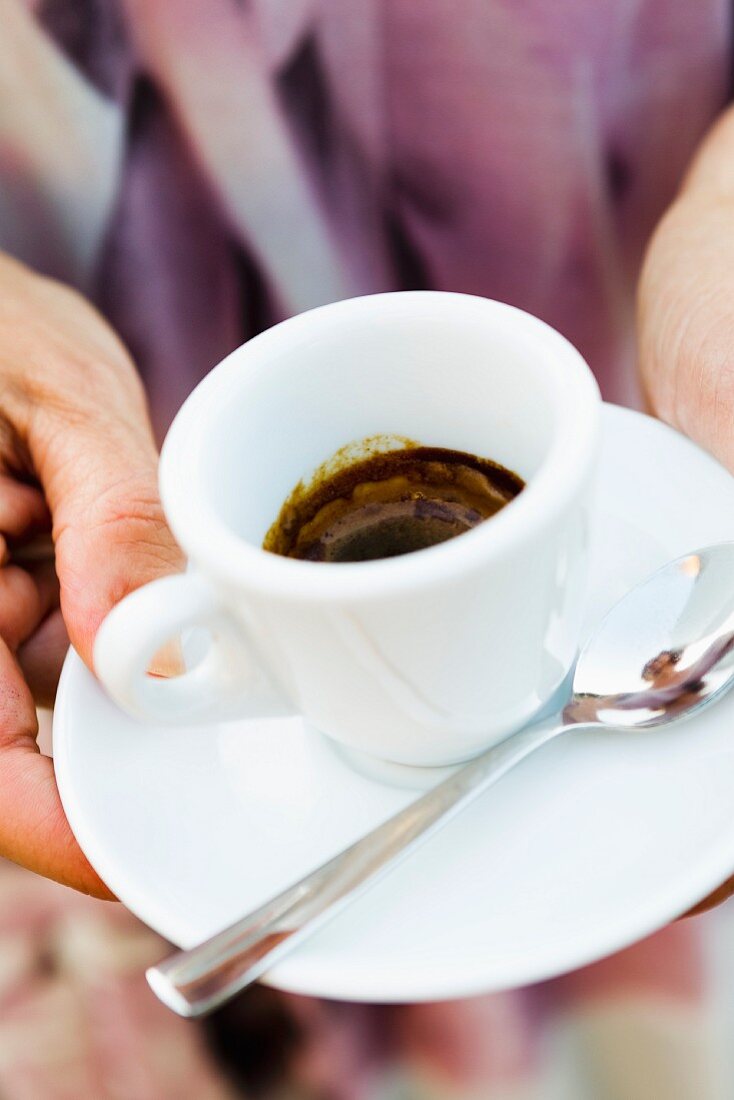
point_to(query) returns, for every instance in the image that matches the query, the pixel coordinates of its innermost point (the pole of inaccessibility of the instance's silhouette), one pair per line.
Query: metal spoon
(664, 652)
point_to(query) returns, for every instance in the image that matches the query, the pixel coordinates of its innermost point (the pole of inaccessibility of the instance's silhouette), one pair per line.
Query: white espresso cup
(421, 659)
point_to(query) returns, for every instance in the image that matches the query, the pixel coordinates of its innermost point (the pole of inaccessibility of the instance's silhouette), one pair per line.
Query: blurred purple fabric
(254, 159)
(202, 168)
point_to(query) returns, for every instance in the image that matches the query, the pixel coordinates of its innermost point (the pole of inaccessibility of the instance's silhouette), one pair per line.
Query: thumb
(110, 535)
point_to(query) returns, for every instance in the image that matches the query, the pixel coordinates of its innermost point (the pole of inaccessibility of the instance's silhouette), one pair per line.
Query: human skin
(685, 324)
(77, 458)
(685, 314)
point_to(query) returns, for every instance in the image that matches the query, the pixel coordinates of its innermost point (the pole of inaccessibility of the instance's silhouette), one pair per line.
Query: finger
(111, 537)
(25, 600)
(685, 321)
(23, 509)
(34, 831)
(41, 658)
(168, 661)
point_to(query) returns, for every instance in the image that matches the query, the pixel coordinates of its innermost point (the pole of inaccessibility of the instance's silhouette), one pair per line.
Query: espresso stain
(387, 495)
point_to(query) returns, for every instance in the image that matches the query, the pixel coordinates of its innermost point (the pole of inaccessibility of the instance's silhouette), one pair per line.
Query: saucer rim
(309, 974)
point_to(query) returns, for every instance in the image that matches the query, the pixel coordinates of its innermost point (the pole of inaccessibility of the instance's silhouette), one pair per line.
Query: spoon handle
(195, 982)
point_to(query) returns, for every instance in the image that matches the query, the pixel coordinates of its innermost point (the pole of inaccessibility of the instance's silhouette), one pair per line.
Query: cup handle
(229, 681)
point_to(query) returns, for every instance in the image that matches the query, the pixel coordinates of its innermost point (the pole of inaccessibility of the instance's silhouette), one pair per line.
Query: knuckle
(125, 520)
(125, 507)
(133, 500)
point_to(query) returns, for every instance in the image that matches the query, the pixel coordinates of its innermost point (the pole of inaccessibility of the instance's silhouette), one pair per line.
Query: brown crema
(391, 503)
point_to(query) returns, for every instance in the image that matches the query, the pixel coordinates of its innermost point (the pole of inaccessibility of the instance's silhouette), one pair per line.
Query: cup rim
(218, 552)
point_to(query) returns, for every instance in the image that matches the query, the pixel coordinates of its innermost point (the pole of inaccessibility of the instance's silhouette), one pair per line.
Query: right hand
(78, 458)
(686, 316)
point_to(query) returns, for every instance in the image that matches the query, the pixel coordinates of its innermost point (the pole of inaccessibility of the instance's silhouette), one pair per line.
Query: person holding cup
(518, 175)
(77, 431)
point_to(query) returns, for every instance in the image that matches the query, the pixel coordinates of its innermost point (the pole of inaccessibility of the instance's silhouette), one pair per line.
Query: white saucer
(589, 845)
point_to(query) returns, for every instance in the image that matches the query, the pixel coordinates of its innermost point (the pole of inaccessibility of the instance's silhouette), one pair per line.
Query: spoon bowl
(665, 650)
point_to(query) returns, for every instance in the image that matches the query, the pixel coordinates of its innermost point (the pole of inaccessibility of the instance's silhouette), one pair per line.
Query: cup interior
(443, 370)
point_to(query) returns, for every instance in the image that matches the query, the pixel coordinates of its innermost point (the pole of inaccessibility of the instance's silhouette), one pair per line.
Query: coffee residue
(367, 502)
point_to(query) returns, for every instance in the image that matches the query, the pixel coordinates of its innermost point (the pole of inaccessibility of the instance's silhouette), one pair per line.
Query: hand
(77, 458)
(686, 315)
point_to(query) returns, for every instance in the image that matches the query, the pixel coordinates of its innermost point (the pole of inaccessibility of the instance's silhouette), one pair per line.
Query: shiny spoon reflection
(665, 651)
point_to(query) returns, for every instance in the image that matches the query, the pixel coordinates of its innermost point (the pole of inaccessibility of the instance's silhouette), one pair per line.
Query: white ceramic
(586, 847)
(421, 659)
